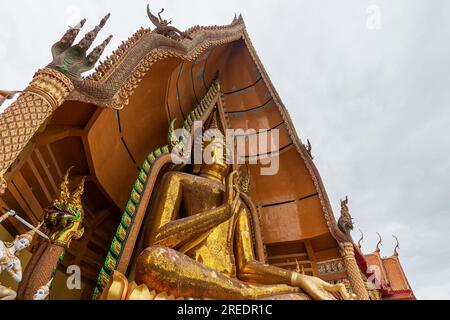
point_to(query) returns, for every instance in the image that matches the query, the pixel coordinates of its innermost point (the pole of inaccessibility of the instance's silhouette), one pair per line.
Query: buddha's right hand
(232, 195)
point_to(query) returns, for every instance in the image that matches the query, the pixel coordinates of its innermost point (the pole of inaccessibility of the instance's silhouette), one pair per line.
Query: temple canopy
(107, 126)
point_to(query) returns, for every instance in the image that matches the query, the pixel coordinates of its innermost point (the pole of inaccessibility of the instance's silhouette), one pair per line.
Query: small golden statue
(199, 242)
(9, 260)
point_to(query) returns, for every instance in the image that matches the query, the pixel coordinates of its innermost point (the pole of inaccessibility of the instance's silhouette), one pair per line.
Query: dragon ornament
(345, 221)
(164, 28)
(63, 222)
(73, 60)
(64, 217)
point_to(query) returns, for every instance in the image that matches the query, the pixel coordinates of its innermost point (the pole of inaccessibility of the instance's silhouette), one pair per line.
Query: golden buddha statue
(199, 242)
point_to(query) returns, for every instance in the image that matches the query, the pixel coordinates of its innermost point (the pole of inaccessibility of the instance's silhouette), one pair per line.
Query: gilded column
(23, 118)
(353, 271)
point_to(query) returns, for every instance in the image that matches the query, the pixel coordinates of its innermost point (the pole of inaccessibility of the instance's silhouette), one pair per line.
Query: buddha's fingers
(320, 294)
(339, 288)
(328, 293)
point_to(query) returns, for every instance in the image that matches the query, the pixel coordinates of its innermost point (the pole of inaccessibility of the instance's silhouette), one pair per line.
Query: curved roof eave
(116, 78)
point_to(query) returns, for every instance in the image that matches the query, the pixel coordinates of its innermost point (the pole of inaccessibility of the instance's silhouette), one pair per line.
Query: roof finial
(164, 28)
(345, 221)
(159, 14)
(379, 243)
(308, 147)
(397, 246)
(361, 239)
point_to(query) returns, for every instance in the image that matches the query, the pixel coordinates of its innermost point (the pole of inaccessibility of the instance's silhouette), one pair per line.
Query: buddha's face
(217, 154)
(214, 165)
(21, 244)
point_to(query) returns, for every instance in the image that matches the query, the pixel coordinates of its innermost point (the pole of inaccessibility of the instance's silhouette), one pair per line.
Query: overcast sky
(365, 81)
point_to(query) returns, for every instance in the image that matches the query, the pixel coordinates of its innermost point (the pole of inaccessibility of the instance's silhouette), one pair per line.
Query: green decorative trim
(121, 233)
(96, 294)
(130, 208)
(143, 175)
(60, 259)
(110, 262)
(139, 187)
(151, 158)
(135, 196)
(133, 203)
(103, 278)
(116, 247)
(126, 220)
(146, 166)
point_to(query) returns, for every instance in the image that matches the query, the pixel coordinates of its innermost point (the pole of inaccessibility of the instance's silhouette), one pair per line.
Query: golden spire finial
(344, 207)
(64, 193)
(214, 124)
(211, 134)
(214, 165)
(212, 138)
(379, 243)
(345, 221)
(360, 239)
(397, 246)
(75, 199)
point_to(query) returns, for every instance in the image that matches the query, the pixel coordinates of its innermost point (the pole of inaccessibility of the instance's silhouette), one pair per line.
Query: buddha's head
(214, 164)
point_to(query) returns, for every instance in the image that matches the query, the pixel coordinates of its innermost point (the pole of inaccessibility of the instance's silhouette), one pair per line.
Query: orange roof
(400, 288)
(388, 274)
(376, 268)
